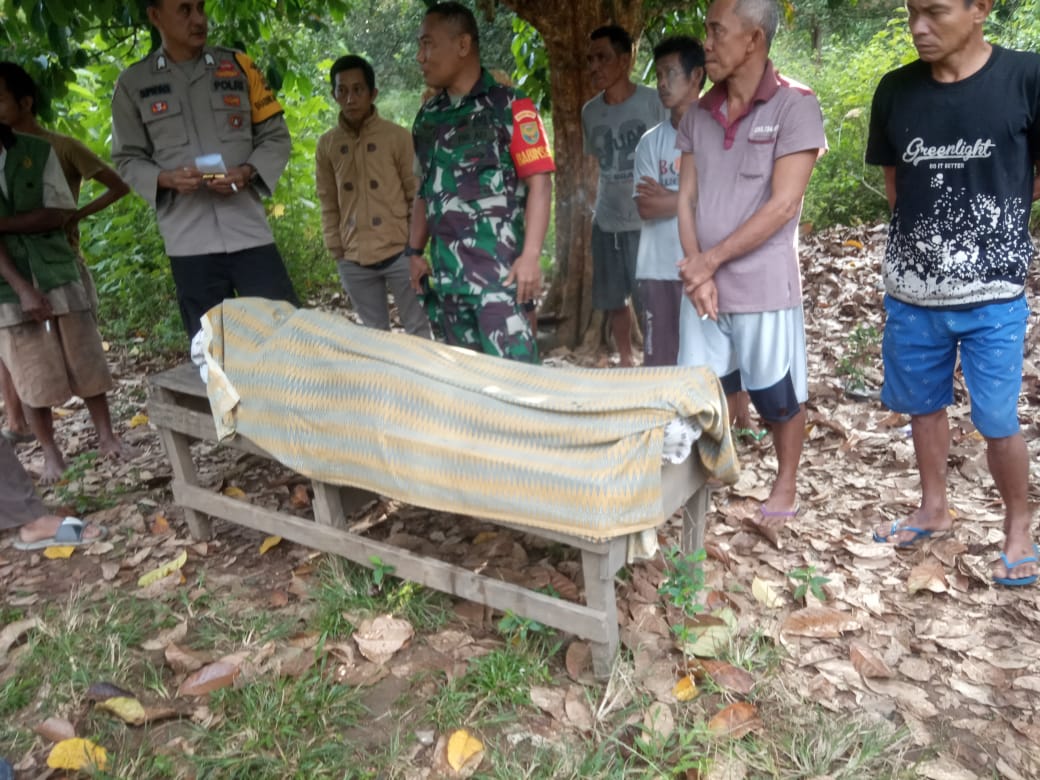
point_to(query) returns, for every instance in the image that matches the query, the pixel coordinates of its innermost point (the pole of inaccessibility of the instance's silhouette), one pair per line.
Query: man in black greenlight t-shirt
(958, 135)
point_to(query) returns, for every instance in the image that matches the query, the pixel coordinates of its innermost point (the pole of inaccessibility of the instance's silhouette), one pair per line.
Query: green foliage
(532, 64)
(684, 587)
(380, 570)
(860, 352)
(844, 189)
(808, 582)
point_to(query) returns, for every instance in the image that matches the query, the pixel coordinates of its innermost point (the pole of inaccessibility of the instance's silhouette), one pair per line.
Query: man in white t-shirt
(679, 63)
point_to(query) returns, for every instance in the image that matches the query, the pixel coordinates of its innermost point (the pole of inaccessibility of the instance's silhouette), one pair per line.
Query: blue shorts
(920, 353)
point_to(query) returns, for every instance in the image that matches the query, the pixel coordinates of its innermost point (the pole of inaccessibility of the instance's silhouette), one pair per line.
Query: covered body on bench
(569, 454)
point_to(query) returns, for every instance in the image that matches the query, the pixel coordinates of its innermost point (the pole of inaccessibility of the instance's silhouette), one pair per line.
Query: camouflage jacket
(472, 157)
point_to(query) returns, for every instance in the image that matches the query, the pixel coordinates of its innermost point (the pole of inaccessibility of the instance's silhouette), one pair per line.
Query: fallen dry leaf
(547, 578)
(109, 570)
(819, 622)
(12, 633)
(300, 498)
(164, 638)
(77, 754)
(724, 675)
(735, 721)
(929, 574)
(464, 750)
(126, 708)
(766, 594)
(56, 729)
(378, 639)
(184, 660)
(578, 660)
(711, 633)
(163, 571)
(551, 700)
(100, 691)
(159, 525)
(270, 542)
(867, 662)
(577, 708)
(219, 674)
(685, 689)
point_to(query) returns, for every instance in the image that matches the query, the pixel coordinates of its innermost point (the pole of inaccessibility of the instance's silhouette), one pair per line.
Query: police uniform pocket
(758, 156)
(231, 116)
(164, 121)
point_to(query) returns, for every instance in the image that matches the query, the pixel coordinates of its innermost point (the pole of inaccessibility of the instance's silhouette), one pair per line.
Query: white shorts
(762, 352)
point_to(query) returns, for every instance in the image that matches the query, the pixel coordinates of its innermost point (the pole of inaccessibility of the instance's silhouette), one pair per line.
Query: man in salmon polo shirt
(748, 150)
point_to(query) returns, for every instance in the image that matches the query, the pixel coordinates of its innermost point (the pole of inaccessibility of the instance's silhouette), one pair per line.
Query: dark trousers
(203, 281)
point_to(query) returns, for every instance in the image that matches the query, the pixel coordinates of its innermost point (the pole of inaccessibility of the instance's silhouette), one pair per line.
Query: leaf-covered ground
(251, 658)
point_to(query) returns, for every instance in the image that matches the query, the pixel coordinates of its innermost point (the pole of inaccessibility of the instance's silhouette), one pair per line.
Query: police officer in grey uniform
(187, 100)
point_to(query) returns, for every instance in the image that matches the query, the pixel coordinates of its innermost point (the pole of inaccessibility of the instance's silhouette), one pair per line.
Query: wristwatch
(411, 251)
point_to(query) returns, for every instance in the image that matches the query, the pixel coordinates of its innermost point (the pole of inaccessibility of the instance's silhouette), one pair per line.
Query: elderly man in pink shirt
(748, 150)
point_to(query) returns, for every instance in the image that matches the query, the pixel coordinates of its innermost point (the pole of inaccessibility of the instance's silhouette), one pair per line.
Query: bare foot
(53, 466)
(113, 448)
(768, 523)
(46, 526)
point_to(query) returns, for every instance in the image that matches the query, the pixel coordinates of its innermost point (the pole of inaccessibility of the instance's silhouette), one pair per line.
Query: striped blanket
(567, 449)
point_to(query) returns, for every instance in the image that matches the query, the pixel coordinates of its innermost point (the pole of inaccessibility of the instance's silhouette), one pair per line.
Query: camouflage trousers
(492, 323)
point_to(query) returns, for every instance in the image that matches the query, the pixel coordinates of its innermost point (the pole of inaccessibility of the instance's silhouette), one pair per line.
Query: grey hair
(760, 13)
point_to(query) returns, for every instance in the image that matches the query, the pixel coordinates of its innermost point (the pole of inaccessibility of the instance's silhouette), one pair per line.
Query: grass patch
(280, 728)
(495, 684)
(345, 589)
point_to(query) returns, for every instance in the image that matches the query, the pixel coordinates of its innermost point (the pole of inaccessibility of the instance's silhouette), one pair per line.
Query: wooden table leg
(178, 450)
(599, 570)
(695, 512)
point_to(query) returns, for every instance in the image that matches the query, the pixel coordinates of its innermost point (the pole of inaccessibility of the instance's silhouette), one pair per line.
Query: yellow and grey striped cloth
(572, 450)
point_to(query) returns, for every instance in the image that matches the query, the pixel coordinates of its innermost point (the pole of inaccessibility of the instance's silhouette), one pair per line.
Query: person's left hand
(526, 274)
(649, 187)
(231, 183)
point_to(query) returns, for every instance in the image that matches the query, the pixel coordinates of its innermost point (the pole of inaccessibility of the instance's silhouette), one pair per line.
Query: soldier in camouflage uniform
(483, 202)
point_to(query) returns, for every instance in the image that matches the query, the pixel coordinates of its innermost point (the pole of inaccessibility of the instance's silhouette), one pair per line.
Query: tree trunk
(565, 26)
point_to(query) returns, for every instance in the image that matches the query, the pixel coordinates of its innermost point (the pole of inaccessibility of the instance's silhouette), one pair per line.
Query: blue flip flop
(1017, 582)
(918, 534)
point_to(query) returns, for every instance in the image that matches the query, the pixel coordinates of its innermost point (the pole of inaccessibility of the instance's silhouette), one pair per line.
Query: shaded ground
(910, 665)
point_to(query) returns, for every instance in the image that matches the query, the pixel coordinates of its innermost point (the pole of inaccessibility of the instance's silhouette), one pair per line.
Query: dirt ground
(917, 637)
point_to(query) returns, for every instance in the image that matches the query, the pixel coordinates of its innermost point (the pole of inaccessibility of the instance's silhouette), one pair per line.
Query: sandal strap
(70, 530)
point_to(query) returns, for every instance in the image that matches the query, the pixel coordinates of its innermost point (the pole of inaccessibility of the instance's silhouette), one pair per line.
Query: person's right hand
(706, 300)
(184, 179)
(34, 304)
(418, 268)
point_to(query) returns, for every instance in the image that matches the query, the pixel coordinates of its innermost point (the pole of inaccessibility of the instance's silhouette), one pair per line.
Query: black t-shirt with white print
(964, 154)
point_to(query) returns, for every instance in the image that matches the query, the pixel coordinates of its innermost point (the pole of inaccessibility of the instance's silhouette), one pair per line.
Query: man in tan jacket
(366, 184)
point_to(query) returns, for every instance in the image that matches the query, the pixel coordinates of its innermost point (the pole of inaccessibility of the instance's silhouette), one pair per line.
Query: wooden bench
(179, 408)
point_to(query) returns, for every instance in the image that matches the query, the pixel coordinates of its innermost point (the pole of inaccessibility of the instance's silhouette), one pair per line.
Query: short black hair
(353, 62)
(689, 49)
(19, 83)
(620, 40)
(460, 16)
